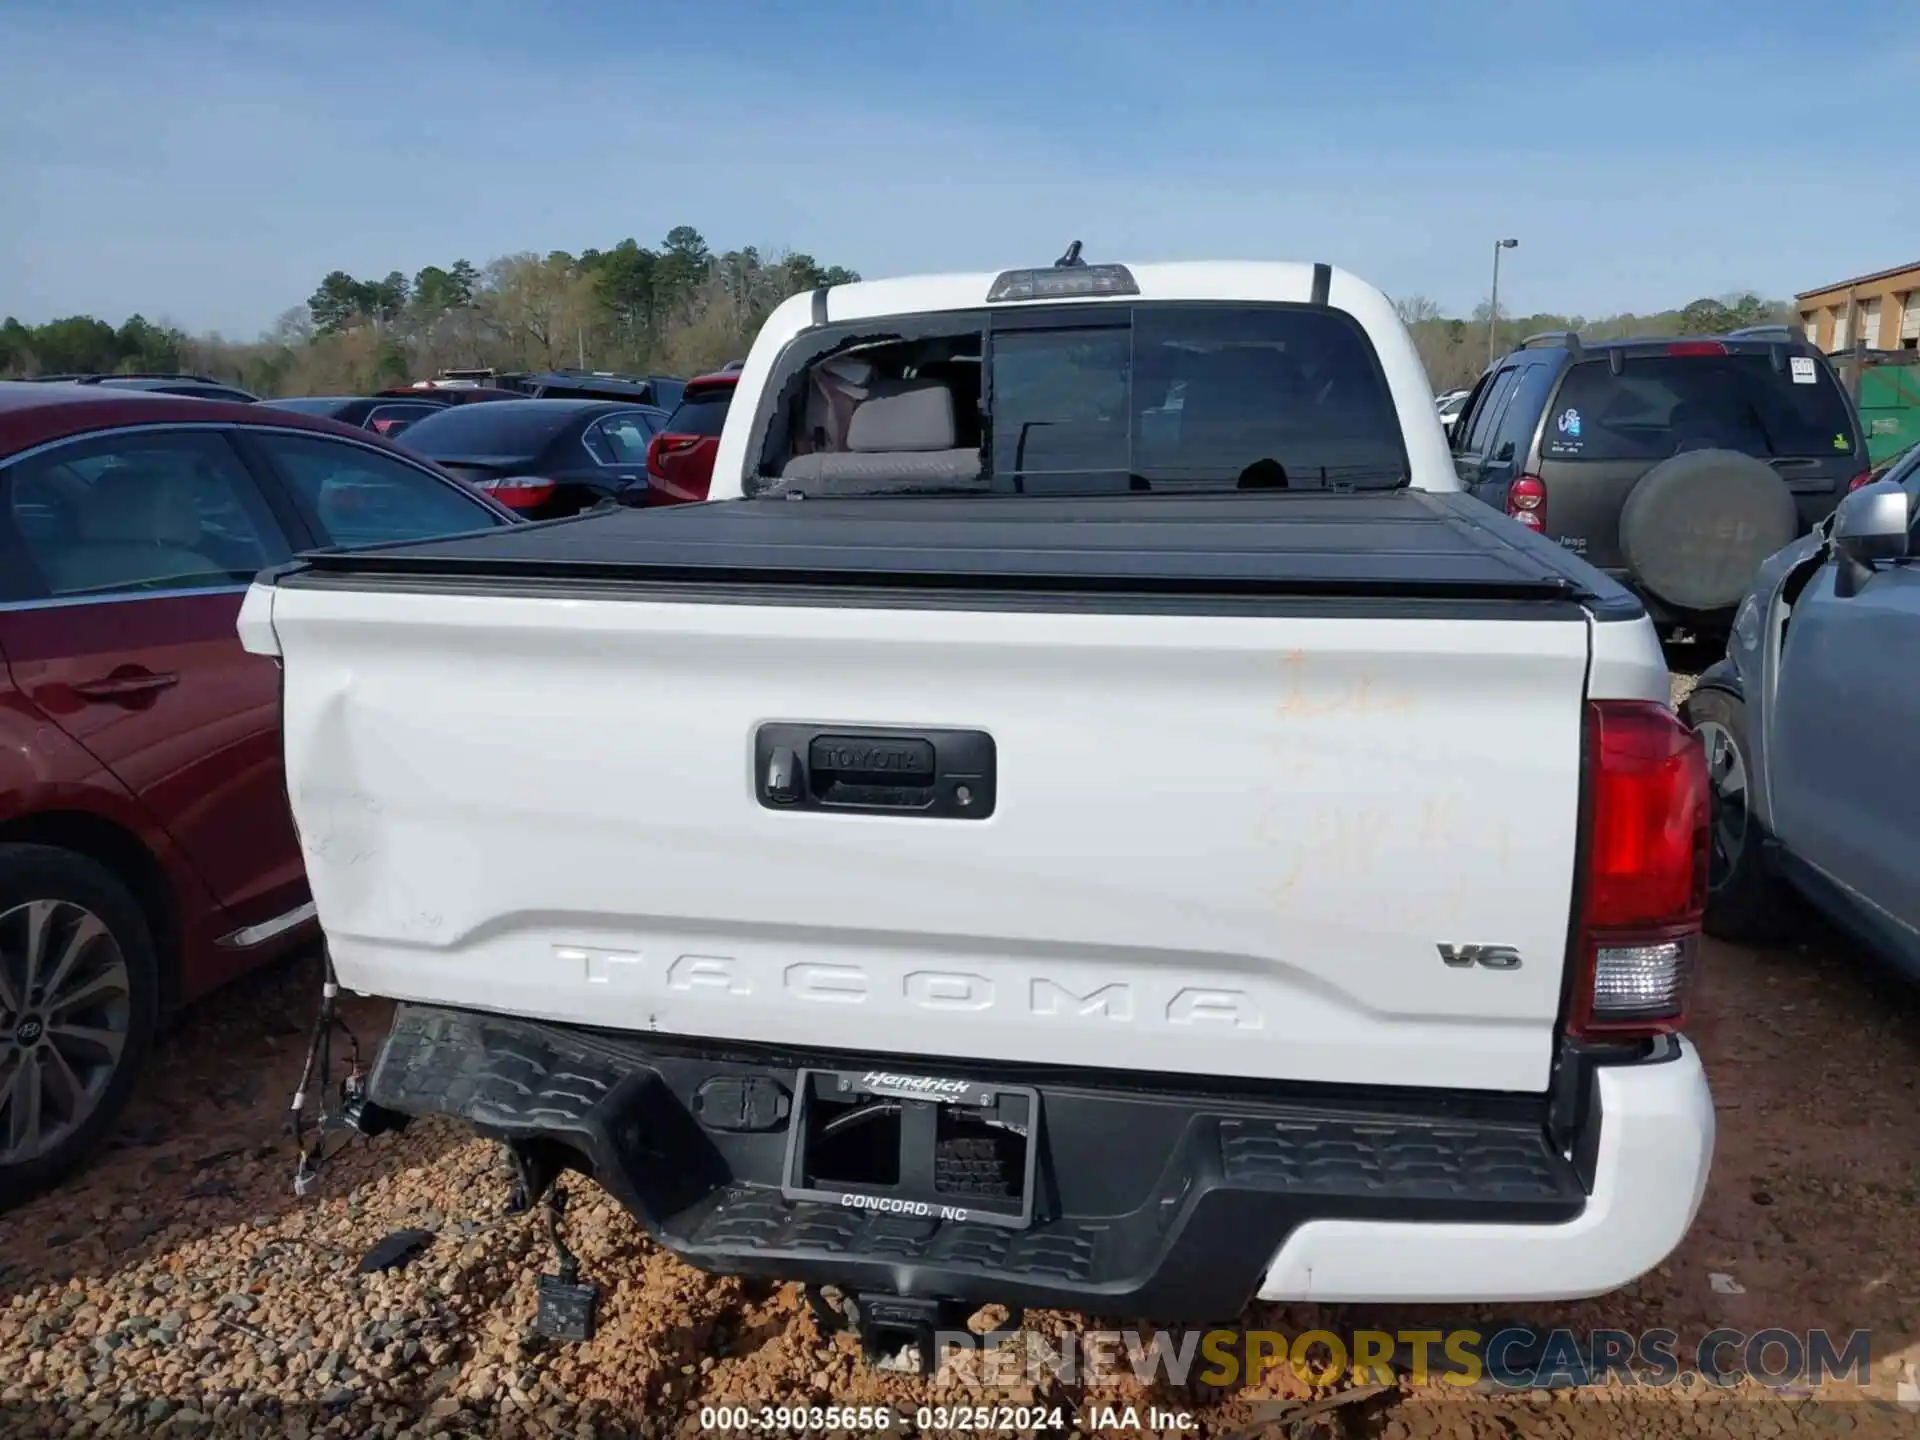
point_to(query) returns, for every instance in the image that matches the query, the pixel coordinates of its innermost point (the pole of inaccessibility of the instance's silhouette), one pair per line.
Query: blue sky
(206, 163)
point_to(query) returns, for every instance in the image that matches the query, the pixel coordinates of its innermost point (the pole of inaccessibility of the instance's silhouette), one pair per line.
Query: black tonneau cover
(1405, 543)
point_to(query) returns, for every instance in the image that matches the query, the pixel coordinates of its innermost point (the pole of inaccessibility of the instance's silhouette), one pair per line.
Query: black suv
(1675, 465)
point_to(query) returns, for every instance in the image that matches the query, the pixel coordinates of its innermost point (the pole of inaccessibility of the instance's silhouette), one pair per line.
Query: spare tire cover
(1696, 527)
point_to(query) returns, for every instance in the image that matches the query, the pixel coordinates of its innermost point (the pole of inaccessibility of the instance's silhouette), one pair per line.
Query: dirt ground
(179, 1287)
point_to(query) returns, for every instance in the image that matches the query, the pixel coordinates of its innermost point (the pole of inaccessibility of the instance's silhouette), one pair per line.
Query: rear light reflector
(1630, 980)
(1696, 347)
(1645, 880)
(1857, 481)
(519, 492)
(1527, 502)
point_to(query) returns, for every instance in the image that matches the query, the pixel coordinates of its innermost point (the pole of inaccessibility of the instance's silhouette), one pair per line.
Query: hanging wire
(316, 1079)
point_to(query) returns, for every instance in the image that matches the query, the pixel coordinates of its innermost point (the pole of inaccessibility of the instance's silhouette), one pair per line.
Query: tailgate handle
(938, 774)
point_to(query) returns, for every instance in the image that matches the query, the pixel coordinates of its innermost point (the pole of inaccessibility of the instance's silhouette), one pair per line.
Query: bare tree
(294, 327)
(541, 307)
(1416, 309)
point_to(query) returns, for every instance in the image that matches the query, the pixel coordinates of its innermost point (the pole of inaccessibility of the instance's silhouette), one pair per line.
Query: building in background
(1871, 327)
(1876, 312)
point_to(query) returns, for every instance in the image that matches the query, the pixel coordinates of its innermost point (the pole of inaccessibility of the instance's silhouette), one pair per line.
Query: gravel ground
(178, 1287)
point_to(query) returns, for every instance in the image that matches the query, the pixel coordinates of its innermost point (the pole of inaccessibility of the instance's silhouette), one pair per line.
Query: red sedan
(146, 850)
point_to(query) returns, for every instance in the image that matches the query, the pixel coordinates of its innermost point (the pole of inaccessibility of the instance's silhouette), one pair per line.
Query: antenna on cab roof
(1071, 259)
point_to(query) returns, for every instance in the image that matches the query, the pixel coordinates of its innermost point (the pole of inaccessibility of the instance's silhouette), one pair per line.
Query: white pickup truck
(1089, 819)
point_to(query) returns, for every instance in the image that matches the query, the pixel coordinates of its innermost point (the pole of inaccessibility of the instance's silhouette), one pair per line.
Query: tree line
(82, 344)
(677, 308)
(1455, 351)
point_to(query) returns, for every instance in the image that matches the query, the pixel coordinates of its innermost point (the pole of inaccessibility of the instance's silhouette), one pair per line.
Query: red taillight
(663, 445)
(1648, 815)
(520, 492)
(1645, 880)
(1696, 347)
(1527, 501)
(1864, 477)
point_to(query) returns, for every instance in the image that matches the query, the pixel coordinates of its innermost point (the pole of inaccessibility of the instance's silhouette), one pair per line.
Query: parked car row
(393, 411)
(550, 457)
(146, 851)
(552, 443)
(562, 384)
(543, 458)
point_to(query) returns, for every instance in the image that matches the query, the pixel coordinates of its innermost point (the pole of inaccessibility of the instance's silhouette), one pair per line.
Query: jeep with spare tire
(1675, 465)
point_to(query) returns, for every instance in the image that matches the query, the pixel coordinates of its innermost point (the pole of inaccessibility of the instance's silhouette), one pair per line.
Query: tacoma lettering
(1112, 1002)
(945, 990)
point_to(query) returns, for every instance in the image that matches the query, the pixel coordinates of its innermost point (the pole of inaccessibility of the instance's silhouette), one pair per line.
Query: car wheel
(78, 1001)
(1745, 902)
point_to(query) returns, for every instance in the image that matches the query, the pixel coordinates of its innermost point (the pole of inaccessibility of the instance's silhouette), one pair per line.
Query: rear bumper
(1148, 1201)
(1654, 1148)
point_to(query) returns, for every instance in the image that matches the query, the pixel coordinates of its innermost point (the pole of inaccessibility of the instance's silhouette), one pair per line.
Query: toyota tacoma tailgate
(1243, 794)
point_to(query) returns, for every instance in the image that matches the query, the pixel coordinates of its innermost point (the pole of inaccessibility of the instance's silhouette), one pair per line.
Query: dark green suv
(1675, 465)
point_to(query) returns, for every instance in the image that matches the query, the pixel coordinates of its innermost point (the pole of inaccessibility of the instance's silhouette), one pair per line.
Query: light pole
(1493, 305)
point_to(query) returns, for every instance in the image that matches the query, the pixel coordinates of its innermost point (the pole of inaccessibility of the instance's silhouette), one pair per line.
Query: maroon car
(680, 457)
(146, 851)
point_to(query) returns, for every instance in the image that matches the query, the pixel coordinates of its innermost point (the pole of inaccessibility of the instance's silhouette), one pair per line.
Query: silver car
(1812, 729)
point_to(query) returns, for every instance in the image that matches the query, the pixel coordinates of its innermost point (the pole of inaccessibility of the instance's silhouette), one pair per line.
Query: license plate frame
(922, 1099)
